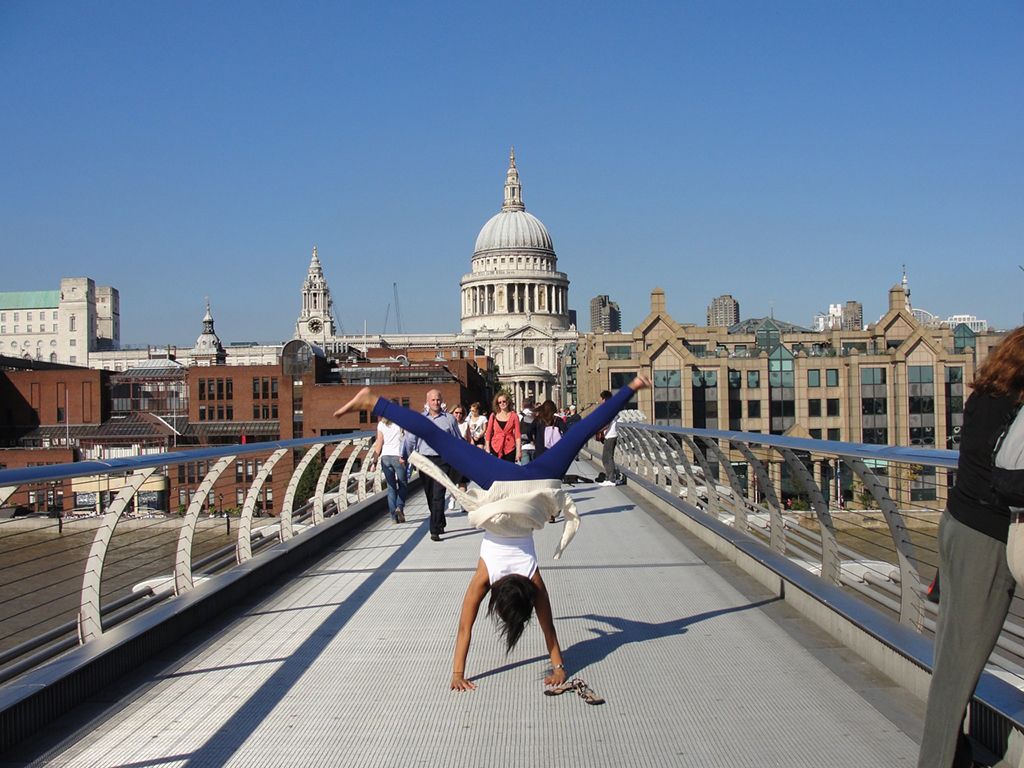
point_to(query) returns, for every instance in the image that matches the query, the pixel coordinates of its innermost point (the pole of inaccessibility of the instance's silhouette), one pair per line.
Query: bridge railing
(66, 579)
(861, 517)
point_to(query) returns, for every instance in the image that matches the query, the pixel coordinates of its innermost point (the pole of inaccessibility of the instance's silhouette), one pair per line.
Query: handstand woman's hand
(460, 683)
(557, 676)
(364, 401)
(640, 382)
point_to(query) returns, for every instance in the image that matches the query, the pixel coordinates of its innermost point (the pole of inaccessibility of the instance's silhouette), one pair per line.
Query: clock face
(315, 326)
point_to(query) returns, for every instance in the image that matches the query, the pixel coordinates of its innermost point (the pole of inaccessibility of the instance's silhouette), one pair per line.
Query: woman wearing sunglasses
(503, 437)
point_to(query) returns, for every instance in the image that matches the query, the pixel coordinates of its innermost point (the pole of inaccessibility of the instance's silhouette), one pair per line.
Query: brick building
(53, 414)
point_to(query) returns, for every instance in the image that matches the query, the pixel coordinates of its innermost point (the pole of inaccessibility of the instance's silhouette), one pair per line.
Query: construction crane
(398, 312)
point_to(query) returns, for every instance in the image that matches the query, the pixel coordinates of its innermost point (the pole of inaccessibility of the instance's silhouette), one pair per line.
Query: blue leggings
(483, 468)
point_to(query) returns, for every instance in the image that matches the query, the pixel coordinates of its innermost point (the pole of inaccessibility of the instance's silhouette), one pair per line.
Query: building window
(814, 377)
(60, 414)
(71, 322)
(619, 379)
(833, 434)
(814, 408)
(202, 413)
(921, 404)
(831, 377)
(668, 396)
(619, 351)
(753, 379)
(753, 409)
(704, 389)
(954, 405)
(832, 406)
(876, 435)
(202, 389)
(814, 433)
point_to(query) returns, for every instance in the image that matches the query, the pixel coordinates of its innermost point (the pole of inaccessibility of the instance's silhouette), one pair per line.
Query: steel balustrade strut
(55, 635)
(649, 451)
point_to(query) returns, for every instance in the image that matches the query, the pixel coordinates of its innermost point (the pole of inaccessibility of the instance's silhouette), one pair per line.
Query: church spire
(315, 270)
(513, 189)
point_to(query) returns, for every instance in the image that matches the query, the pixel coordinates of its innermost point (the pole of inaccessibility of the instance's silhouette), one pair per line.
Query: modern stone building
(723, 310)
(63, 326)
(605, 316)
(896, 382)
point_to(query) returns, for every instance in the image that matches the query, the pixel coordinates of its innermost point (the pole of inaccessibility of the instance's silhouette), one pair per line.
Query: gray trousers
(608, 458)
(975, 595)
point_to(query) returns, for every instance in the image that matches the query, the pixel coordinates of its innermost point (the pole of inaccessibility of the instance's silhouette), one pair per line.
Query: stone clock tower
(316, 320)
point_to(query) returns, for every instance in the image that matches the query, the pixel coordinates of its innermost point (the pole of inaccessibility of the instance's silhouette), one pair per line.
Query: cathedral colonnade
(514, 298)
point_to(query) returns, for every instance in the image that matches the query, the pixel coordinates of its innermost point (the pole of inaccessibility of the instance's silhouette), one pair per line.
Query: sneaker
(607, 483)
(434, 537)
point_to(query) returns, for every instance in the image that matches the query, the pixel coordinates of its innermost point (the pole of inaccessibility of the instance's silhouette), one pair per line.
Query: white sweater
(511, 508)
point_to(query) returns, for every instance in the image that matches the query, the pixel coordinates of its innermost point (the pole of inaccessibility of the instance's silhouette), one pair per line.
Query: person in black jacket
(977, 585)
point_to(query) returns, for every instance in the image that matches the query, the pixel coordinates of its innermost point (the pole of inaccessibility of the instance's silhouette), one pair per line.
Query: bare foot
(363, 401)
(640, 382)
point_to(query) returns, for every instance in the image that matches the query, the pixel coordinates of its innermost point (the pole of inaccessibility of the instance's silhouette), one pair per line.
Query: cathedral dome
(513, 230)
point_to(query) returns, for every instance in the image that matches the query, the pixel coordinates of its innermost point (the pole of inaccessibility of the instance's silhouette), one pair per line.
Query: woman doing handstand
(514, 501)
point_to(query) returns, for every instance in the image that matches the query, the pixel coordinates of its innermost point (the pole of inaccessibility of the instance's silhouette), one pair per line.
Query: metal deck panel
(349, 664)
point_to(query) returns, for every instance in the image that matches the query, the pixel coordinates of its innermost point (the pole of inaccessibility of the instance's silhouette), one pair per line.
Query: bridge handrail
(884, 554)
(35, 627)
(68, 471)
(931, 457)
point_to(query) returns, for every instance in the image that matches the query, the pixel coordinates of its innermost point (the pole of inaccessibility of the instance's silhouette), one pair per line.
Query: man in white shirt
(611, 475)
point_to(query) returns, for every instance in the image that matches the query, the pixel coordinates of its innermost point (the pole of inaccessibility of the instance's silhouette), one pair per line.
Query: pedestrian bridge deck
(349, 662)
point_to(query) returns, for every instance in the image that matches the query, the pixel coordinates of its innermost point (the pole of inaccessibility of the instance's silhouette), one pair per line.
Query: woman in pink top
(503, 437)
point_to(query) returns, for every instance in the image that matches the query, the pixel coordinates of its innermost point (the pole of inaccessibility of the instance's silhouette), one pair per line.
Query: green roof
(29, 299)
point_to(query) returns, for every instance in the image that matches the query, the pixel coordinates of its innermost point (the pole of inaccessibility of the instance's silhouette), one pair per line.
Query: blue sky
(793, 154)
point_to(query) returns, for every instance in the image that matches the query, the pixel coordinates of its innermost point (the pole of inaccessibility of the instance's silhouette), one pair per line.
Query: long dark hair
(1002, 373)
(512, 599)
(546, 413)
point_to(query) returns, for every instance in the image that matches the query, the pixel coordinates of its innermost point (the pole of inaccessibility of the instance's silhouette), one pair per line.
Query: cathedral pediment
(528, 333)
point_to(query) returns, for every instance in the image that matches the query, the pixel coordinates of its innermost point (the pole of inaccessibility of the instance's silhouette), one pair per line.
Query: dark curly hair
(512, 599)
